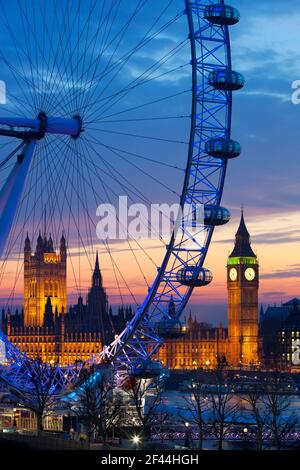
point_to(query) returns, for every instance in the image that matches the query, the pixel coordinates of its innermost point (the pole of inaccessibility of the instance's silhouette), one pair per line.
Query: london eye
(106, 99)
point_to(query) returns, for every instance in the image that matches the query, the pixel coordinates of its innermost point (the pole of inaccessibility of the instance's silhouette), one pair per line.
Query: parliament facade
(45, 328)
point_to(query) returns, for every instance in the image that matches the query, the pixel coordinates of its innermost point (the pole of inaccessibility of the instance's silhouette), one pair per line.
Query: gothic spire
(97, 277)
(27, 246)
(242, 245)
(50, 244)
(63, 248)
(97, 262)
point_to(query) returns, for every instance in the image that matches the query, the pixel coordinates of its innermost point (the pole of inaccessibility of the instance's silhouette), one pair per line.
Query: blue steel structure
(210, 147)
(203, 186)
(16, 369)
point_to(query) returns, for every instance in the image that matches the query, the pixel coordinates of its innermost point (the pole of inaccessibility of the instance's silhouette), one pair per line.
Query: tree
(258, 412)
(110, 407)
(96, 403)
(145, 398)
(277, 403)
(39, 395)
(223, 409)
(197, 406)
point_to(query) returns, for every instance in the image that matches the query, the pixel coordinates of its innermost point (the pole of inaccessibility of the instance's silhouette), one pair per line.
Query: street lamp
(136, 440)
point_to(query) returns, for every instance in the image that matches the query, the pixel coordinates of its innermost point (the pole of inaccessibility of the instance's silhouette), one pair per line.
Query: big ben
(242, 284)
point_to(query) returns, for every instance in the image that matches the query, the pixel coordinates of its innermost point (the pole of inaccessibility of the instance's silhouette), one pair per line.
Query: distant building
(202, 347)
(270, 323)
(45, 328)
(289, 337)
(280, 330)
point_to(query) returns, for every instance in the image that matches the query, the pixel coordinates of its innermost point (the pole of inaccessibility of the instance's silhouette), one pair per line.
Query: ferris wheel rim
(119, 347)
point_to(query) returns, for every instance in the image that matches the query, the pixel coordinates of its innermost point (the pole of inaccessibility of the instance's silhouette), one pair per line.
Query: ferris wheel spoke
(140, 157)
(122, 157)
(107, 102)
(106, 245)
(29, 192)
(143, 78)
(19, 52)
(94, 62)
(136, 260)
(124, 62)
(148, 103)
(106, 187)
(34, 72)
(60, 49)
(17, 99)
(117, 176)
(91, 89)
(159, 139)
(64, 56)
(18, 232)
(130, 187)
(72, 215)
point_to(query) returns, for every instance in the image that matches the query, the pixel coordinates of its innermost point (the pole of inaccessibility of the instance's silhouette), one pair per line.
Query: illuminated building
(45, 276)
(45, 328)
(288, 338)
(202, 347)
(237, 346)
(280, 331)
(242, 285)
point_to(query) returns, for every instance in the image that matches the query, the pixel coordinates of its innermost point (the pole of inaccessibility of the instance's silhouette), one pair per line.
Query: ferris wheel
(118, 98)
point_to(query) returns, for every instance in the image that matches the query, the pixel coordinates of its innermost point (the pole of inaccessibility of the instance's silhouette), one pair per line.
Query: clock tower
(242, 285)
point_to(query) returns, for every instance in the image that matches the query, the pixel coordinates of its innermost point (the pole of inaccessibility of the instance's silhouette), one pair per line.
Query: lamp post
(14, 426)
(245, 435)
(187, 435)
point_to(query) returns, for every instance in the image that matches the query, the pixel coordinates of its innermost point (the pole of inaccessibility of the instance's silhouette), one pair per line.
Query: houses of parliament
(47, 329)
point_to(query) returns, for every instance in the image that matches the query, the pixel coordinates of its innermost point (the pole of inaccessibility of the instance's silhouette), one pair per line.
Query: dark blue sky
(265, 48)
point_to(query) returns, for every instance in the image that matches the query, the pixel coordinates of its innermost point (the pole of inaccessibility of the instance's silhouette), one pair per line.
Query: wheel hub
(36, 129)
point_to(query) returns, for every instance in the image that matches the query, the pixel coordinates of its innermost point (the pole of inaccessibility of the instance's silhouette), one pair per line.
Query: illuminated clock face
(233, 274)
(249, 274)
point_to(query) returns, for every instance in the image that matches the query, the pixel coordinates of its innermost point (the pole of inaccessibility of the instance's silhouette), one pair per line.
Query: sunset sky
(265, 179)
